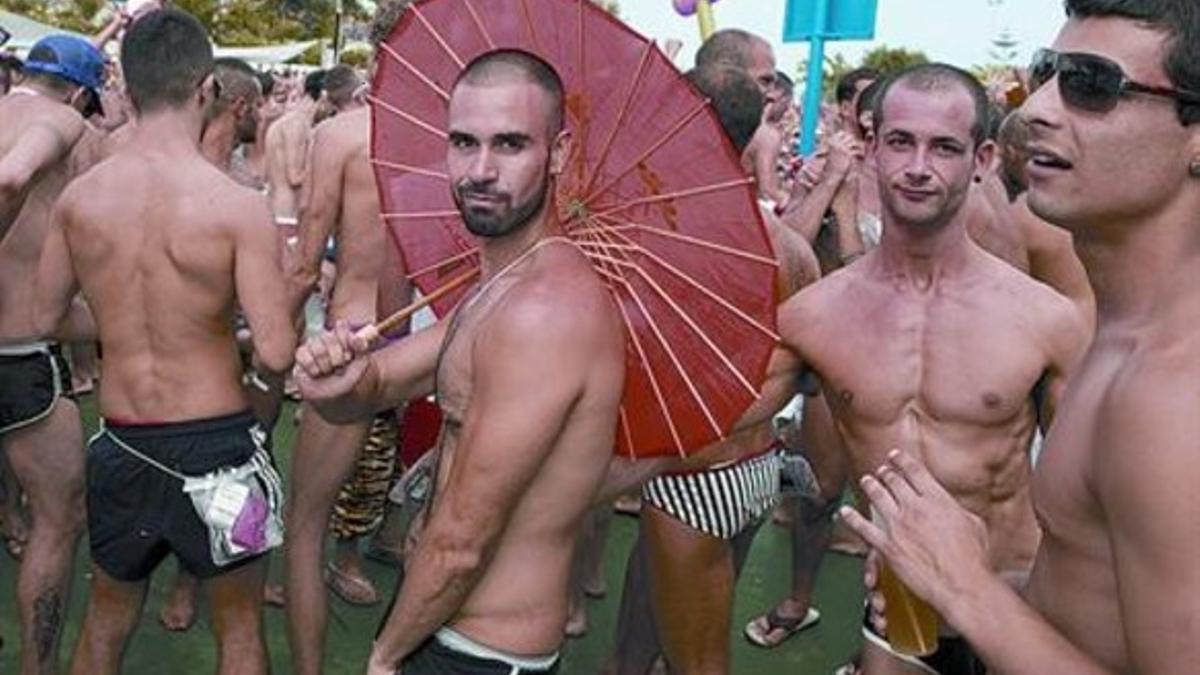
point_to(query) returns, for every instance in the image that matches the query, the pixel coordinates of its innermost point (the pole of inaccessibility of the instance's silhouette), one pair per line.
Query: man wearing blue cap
(41, 150)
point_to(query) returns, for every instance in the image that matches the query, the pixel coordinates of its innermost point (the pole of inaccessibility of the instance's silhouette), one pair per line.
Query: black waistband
(239, 420)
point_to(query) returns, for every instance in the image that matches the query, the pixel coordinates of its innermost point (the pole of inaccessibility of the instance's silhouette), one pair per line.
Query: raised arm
(295, 153)
(804, 211)
(504, 442)
(40, 145)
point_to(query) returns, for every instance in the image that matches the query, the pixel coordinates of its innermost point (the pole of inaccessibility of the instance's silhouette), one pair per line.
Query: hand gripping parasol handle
(372, 333)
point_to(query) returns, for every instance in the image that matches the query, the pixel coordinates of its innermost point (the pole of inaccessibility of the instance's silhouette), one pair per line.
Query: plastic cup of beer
(912, 624)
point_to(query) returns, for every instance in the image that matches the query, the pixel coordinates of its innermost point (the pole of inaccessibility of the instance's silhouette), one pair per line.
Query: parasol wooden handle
(374, 332)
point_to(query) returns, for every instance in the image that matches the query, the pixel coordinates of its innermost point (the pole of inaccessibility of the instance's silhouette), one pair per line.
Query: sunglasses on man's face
(1094, 83)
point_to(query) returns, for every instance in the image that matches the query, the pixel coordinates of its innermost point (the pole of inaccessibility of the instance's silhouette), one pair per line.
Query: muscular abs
(938, 375)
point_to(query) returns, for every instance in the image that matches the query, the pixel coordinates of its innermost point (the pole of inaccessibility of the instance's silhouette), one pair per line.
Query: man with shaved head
(521, 455)
(930, 342)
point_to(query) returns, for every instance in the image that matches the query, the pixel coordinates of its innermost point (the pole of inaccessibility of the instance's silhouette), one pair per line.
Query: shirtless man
(930, 342)
(1115, 585)
(687, 541)
(340, 199)
(1030, 244)
(40, 434)
(522, 455)
(287, 151)
(233, 119)
(163, 245)
(230, 121)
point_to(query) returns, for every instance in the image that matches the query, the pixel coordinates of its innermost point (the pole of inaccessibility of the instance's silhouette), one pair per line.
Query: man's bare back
(341, 199)
(1007, 229)
(798, 268)
(951, 371)
(287, 151)
(153, 237)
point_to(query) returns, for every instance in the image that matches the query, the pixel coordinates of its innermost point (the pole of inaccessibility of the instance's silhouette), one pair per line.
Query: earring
(1194, 168)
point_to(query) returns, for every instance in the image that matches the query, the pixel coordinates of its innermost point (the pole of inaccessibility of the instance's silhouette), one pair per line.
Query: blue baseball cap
(71, 58)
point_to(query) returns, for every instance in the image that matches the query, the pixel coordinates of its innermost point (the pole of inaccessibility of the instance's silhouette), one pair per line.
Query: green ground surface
(154, 650)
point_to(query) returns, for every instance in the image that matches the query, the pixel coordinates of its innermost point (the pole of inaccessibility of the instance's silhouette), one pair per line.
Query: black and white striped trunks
(721, 501)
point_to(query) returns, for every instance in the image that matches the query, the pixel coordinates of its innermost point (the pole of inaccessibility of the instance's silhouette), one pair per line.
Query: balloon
(688, 7)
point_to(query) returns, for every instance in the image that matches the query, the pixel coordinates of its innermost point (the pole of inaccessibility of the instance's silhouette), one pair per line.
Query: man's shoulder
(292, 123)
(836, 288)
(1051, 311)
(564, 296)
(347, 124)
(828, 307)
(30, 110)
(339, 136)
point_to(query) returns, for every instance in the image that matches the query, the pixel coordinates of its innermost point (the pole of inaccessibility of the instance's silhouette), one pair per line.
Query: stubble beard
(492, 225)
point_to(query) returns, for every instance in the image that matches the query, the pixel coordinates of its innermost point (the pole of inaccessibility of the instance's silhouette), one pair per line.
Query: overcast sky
(957, 31)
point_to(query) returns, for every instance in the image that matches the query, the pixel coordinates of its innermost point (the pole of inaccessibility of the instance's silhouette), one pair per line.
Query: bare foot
(845, 541)
(577, 621)
(351, 585)
(782, 514)
(14, 529)
(179, 613)
(273, 595)
(628, 505)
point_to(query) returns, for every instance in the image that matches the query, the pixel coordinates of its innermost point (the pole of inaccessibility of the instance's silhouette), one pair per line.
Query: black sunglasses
(1094, 83)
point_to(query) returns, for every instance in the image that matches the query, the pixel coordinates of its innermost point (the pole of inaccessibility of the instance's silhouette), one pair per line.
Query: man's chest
(951, 364)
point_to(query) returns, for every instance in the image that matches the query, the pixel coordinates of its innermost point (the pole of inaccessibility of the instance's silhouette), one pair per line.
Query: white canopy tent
(26, 32)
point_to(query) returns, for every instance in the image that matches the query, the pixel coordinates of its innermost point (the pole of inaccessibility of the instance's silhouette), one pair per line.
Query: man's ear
(1193, 151)
(560, 151)
(985, 159)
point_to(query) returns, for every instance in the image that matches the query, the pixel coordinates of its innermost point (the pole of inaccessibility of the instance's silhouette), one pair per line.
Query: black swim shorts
(137, 513)
(32, 379)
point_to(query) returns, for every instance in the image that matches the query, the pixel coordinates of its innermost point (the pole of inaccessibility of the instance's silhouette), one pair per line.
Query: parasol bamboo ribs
(381, 329)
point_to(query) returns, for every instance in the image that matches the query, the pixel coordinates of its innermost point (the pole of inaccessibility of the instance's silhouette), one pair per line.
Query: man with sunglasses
(930, 342)
(43, 146)
(164, 245)
(1115, 158)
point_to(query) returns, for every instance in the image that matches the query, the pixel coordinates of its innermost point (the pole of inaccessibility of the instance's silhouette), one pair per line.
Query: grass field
(154, 650)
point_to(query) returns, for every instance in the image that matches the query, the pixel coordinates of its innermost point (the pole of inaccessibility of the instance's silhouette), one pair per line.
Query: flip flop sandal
(789, 625)
(14, 545)
(342, 585)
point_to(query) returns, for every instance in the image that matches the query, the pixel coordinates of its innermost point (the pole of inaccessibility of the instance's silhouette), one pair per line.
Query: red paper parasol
(654, 194)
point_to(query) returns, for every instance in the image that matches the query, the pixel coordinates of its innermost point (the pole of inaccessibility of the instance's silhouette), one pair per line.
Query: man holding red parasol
(529, 371)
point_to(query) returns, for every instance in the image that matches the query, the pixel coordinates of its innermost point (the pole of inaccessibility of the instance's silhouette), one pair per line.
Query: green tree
(81, 16)
(888, 60)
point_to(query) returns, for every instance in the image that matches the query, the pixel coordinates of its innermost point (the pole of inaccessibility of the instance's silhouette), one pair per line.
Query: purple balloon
(688, 7)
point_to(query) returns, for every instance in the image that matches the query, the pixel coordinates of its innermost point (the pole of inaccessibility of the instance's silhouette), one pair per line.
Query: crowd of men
(987, 312)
